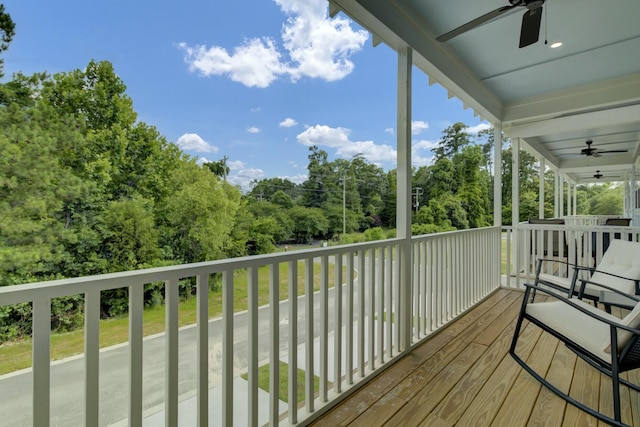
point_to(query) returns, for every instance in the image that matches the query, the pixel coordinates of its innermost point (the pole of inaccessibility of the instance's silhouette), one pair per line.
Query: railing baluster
(337, 336)
(227, 348)
(349, 320)
(361, 312)
(293, 342)
(324, 326)
(396, 299)
(423, 287)
(381, 300)
(40, 360)
(202, 372)
(309, 353)
(252, 308)
(415, 291)
(92, 356)
(371, 298)
(274, 350)
(429, 277)
(136, 304)
(389, 300)
(171, 349)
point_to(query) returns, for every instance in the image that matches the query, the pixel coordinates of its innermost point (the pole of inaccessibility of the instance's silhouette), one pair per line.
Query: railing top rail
(454, 232)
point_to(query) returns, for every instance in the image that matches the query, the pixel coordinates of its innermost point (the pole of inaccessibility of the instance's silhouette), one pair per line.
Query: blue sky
(257, 81)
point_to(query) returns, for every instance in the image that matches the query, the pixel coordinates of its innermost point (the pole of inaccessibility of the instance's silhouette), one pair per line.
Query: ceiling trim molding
(609, 117)
(613, 92)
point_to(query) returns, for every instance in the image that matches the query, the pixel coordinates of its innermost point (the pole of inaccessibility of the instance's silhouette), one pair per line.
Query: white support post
(556, 194)
(497, 174)
(569, 197)
(543, 165)
(575, 199)
(561, 206)
(633, 202)
(515, 182)
(515, 203)
(403, 212)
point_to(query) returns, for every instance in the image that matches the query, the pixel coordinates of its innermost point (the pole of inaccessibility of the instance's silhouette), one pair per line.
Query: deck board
(464, 376)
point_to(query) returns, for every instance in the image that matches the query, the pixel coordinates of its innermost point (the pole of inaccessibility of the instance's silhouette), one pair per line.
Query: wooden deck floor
(464, 376)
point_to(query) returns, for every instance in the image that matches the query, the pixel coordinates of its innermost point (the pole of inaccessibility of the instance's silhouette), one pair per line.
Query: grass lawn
(17, 355)
(283, 386)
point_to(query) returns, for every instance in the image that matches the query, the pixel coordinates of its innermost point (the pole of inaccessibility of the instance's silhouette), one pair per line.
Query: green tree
(200, 215)
(308, 223)
(454, 138)
(129, 236)
(7, 28)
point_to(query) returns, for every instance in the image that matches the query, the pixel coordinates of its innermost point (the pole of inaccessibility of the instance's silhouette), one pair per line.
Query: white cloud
(316, 47)
(338, 138)
(255, 109)
(418, 149)
(293, 164)
(202, 160)
(288, 122)
(241, 175)
(417, 126)
(479, 127)
(193, 142)
(296, 179)
(390, 131)
(253, 129)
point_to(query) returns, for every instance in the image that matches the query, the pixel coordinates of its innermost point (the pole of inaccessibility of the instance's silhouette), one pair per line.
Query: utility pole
(417, 194)
(224, 167)
(344, 179)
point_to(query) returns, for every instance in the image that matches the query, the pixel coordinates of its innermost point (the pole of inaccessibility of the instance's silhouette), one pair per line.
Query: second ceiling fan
(594, 152)
(530, 32)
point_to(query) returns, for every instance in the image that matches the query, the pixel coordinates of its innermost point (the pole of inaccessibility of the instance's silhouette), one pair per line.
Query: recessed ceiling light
(555, 45)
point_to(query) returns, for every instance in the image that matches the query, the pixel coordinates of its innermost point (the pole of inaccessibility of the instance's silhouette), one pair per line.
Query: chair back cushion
(618, 221)
(623, 259)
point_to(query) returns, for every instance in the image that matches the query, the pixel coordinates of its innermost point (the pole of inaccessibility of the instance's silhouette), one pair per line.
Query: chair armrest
(635, 281)
(584, 283)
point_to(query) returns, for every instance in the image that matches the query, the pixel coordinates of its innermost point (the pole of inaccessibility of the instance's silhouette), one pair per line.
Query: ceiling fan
(598, 175)
(594, 152)
(530, 31)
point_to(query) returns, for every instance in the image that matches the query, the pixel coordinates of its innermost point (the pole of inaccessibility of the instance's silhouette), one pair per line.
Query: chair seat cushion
(585, 331)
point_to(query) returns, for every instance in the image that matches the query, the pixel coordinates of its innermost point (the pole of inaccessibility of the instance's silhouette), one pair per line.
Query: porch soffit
(554, 99)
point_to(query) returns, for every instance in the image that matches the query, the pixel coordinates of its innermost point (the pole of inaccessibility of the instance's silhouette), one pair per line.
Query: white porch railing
(338, 335)
(576, 244)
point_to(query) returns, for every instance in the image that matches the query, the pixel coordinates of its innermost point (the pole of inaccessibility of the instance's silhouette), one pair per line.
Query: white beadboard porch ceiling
(554, 99)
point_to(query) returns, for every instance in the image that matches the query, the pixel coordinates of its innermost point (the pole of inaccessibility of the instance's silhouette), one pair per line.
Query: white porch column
(556, 194)
(541, 189)
(497, 174)
(575, 199)
(561, 197)
(515, 181)
(569, 197)
(403, 210)
(633, 202)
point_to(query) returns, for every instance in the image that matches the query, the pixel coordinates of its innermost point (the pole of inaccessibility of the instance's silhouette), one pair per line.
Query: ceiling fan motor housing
(530, 4)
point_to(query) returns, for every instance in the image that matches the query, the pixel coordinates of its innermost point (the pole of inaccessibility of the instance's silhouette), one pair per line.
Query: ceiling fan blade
(530, 32)
(595, 154)
(476, 22)
(612, 151)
